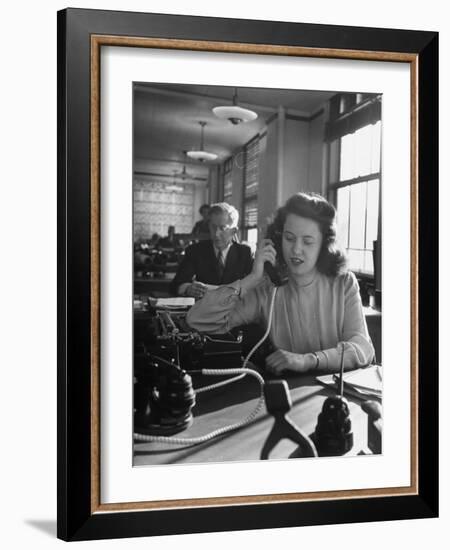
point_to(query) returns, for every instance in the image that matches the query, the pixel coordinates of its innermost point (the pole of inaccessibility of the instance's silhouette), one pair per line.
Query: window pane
(363, 141)
(251, 173)
(368, 261)
(360, 152)
(251, 213)
(252, 238)
(372, 212)
(376, 148)
(347, 168)
(343, 198)
(357, 215)
(227, 187)
(355, 259)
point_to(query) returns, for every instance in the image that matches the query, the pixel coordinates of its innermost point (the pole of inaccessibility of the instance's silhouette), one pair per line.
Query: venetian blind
(228, 181)
(251, 181)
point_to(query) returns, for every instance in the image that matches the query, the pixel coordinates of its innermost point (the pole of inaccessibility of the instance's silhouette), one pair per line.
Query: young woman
(316, 314)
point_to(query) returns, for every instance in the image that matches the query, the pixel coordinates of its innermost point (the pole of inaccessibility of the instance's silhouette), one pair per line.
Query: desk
(158, 287)
(373, 320)
(232, 403)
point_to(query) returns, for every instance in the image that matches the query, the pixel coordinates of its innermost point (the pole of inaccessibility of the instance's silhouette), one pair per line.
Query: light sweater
(316, 317)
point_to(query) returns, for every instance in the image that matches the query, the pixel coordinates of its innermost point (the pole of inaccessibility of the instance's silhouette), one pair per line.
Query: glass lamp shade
(201, 155)
(175, 188)
(234, 114)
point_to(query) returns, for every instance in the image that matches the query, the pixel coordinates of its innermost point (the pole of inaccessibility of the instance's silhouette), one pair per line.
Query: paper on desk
(175, 302)
(365, 383)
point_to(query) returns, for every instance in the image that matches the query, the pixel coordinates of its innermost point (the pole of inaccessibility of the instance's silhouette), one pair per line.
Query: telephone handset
(277, 273)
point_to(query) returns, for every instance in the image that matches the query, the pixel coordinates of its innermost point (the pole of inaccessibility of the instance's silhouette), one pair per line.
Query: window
(356, 187)
(155, 209)
(252, 238)
(251, 179)
(228, 181)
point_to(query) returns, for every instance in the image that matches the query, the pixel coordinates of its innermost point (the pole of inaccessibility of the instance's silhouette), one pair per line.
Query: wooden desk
(232, 403)
(158, 287)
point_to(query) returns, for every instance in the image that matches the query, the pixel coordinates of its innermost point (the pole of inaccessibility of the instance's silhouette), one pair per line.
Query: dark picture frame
(81, 34)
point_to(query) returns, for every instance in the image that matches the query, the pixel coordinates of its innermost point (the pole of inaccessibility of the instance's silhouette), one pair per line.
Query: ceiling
(166, 123)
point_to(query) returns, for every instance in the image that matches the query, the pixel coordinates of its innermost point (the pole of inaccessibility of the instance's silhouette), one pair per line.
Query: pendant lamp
(234, 113)
(201, 154)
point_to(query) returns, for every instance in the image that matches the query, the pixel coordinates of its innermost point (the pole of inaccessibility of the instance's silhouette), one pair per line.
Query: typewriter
(166, 334)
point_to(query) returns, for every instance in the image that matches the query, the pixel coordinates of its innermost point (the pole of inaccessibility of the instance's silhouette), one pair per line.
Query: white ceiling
(166, 118)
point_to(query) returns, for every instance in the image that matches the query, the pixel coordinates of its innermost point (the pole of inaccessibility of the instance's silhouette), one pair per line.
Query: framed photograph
(247, 257)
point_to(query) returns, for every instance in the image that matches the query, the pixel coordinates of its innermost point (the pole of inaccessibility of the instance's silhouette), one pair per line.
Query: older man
(220, 260)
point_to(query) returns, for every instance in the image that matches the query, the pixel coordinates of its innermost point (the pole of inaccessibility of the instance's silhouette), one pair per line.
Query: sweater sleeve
(225, 308)
(358, 348)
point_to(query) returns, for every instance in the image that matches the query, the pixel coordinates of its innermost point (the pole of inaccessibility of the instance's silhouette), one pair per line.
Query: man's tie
(221, 262)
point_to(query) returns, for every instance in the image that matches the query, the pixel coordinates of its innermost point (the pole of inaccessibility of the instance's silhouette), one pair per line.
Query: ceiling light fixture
(234, 113)
(174, 186)
(201, 154)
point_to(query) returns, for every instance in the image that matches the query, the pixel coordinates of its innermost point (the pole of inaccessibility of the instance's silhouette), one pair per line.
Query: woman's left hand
(282, 360)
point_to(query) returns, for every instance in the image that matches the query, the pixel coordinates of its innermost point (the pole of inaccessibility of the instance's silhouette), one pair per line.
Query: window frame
(334, 164)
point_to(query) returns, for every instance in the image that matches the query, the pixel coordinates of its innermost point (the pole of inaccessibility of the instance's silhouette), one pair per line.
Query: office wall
(295, 157)
(316, 168)
(302, 162)
(214, 183)
(200, 197)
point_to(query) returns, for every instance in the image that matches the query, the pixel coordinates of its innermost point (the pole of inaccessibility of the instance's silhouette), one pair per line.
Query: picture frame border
(81, 35)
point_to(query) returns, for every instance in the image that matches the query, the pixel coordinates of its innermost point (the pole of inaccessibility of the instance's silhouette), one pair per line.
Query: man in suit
(217, 261)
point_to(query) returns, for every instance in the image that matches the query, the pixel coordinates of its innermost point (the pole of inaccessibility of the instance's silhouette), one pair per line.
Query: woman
(316, 314)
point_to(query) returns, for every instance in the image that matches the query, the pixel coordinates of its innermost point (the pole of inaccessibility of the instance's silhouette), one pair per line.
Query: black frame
(75, 519)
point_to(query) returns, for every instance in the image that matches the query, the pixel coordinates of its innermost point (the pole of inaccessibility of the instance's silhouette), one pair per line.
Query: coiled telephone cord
(251, 352)
(220, 431)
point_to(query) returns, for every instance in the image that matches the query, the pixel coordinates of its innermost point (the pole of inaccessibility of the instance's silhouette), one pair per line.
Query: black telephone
(277, 273)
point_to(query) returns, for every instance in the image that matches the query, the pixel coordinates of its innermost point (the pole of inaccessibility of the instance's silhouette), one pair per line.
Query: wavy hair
(225, 208)
(332, 260)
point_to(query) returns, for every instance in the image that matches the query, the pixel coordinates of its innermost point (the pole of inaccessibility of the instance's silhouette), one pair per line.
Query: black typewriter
(166, 334)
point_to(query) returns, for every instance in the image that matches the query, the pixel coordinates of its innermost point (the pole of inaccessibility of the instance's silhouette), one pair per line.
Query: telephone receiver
(277, 277)
(277, 273)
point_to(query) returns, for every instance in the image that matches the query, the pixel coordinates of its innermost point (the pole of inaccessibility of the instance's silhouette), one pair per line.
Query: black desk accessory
(278, 403)
(375, 425)
(333, 435)
(163, 397)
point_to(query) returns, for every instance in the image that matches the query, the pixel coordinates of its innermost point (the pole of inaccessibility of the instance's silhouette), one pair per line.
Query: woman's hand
(282, 360)
(264, 253)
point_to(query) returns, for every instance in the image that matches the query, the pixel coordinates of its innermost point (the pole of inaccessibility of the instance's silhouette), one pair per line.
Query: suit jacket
(200, 260)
